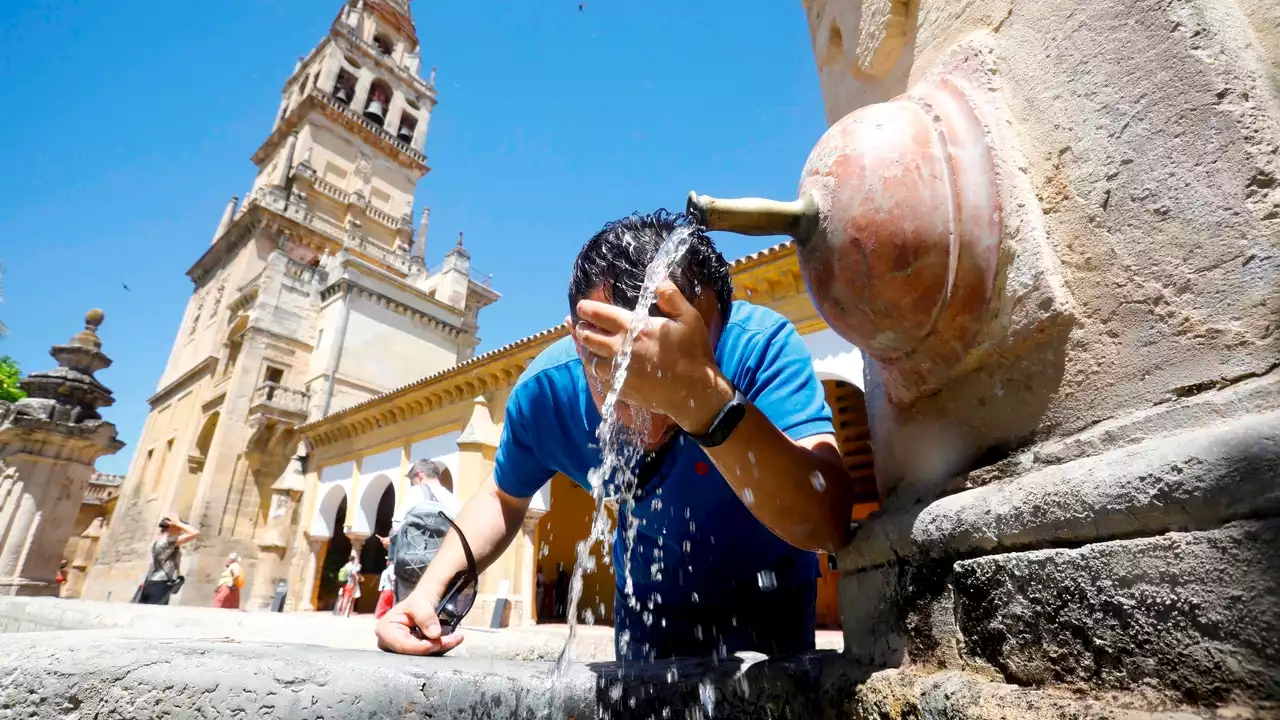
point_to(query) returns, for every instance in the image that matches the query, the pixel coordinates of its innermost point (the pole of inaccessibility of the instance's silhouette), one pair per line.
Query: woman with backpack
(348, 586)
(232, 579)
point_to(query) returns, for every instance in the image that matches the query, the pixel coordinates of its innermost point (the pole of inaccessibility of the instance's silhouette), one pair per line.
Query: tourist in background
(163, 578)
(229, 583)
(349, 586)
(61, 577)
(386, 590)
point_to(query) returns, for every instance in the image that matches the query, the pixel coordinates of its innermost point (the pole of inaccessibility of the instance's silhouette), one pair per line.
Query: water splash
(621, 447)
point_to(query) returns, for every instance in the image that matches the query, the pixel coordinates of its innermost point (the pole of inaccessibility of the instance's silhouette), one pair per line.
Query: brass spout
(757, 216)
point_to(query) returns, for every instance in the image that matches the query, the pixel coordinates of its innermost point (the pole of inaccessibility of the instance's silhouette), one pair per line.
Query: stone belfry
(313, 296)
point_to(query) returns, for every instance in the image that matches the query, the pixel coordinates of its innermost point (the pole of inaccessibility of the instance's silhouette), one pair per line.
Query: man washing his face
(743, 480)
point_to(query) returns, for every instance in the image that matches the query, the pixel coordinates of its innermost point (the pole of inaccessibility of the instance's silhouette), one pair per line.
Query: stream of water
(621, 447)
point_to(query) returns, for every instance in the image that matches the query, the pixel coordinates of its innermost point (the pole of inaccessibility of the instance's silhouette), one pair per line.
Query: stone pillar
(455, 276)
(286, 493)
(526, 584)
(395, 108)
(228, 215)
(281, 177)
(307, 587)
(49, 442)
(363, 83)
(86, 552)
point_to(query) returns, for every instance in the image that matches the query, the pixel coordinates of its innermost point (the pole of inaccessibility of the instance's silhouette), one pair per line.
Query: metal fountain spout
(898, 225)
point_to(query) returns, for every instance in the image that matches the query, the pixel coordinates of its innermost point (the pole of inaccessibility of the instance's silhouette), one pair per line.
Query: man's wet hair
(616, 259)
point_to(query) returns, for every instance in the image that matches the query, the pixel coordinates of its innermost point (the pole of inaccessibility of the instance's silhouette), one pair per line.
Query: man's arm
(490, 519)
(799, 489)
(673, 371)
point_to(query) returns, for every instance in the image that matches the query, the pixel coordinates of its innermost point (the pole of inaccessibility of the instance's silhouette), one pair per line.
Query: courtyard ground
(535, 642)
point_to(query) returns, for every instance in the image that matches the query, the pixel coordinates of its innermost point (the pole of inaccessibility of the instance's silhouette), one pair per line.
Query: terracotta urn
(898, 228)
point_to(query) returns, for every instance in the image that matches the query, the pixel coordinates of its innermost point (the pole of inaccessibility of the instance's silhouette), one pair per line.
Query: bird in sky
(582, 6)
(126, 287)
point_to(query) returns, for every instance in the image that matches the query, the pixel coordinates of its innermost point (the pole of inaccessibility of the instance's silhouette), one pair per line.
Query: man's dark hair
(616, 258)
(164, 523)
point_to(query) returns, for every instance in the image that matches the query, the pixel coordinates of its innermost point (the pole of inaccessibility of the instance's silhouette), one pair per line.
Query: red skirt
(227, 597)
(386, 600)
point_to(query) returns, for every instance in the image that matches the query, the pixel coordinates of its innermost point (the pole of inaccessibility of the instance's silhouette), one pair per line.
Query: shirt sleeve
(518, 470)
(785, 387)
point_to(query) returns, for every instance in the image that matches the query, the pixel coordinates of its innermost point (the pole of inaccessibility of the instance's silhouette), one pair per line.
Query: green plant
(9, 374)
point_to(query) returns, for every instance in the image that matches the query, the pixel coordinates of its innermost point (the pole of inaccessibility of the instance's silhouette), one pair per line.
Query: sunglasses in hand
(460, 594)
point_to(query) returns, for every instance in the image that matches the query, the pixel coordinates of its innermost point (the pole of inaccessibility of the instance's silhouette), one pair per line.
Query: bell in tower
(379, 96)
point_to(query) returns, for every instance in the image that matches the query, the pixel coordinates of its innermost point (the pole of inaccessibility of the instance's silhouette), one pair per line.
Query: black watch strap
(726, 422)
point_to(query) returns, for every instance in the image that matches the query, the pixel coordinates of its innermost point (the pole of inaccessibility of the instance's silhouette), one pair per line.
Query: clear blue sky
(127, 125)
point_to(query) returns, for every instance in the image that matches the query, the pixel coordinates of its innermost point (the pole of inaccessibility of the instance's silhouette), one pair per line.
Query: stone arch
(326, 523)
(366, 518)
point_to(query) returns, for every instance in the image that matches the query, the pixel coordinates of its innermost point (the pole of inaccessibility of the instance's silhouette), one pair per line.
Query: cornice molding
(462, 383)
(183, 381)
(448, 329)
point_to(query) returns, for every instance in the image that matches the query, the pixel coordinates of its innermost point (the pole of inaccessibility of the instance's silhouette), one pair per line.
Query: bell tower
(313, 296)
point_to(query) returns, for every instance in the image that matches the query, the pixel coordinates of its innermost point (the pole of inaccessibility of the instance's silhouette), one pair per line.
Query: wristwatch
(725, 423)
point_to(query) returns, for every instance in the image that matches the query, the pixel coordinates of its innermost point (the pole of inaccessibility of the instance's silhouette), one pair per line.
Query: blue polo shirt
(707, 576)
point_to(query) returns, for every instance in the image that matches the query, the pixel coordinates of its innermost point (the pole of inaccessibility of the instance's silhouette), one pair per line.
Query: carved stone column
(49, 442)
(314, 555)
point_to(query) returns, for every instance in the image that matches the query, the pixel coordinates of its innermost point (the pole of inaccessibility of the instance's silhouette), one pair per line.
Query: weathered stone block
(1196, 613)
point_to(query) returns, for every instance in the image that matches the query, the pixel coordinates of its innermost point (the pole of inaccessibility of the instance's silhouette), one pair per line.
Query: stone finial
(88, 337)
(431, 79)
(459, 238)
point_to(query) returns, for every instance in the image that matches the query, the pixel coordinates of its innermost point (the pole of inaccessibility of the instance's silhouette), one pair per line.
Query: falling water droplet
(588, 617)
(707, 692)
(819, 483)
(672, 674)
(697, 631)
(647, 617)
(694, 597)
(686, 513)
(767, 580)
(748, 497)
(751, 456)
(688, 547)
(657, 504)
(659, 372)
(615, 691)
(631, 701)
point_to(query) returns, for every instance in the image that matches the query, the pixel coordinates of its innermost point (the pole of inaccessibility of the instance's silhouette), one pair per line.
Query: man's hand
(412, 628)
(673, 367)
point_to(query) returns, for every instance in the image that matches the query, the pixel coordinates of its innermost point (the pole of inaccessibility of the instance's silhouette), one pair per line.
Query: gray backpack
(415, 544)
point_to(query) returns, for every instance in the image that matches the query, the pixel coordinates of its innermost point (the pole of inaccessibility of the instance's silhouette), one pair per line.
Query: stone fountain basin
(108, 675)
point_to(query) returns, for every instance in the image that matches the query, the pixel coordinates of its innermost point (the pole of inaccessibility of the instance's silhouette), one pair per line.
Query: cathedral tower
(314, 296)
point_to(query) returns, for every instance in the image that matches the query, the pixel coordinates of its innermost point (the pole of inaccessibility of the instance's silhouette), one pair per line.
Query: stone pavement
(538, 642)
